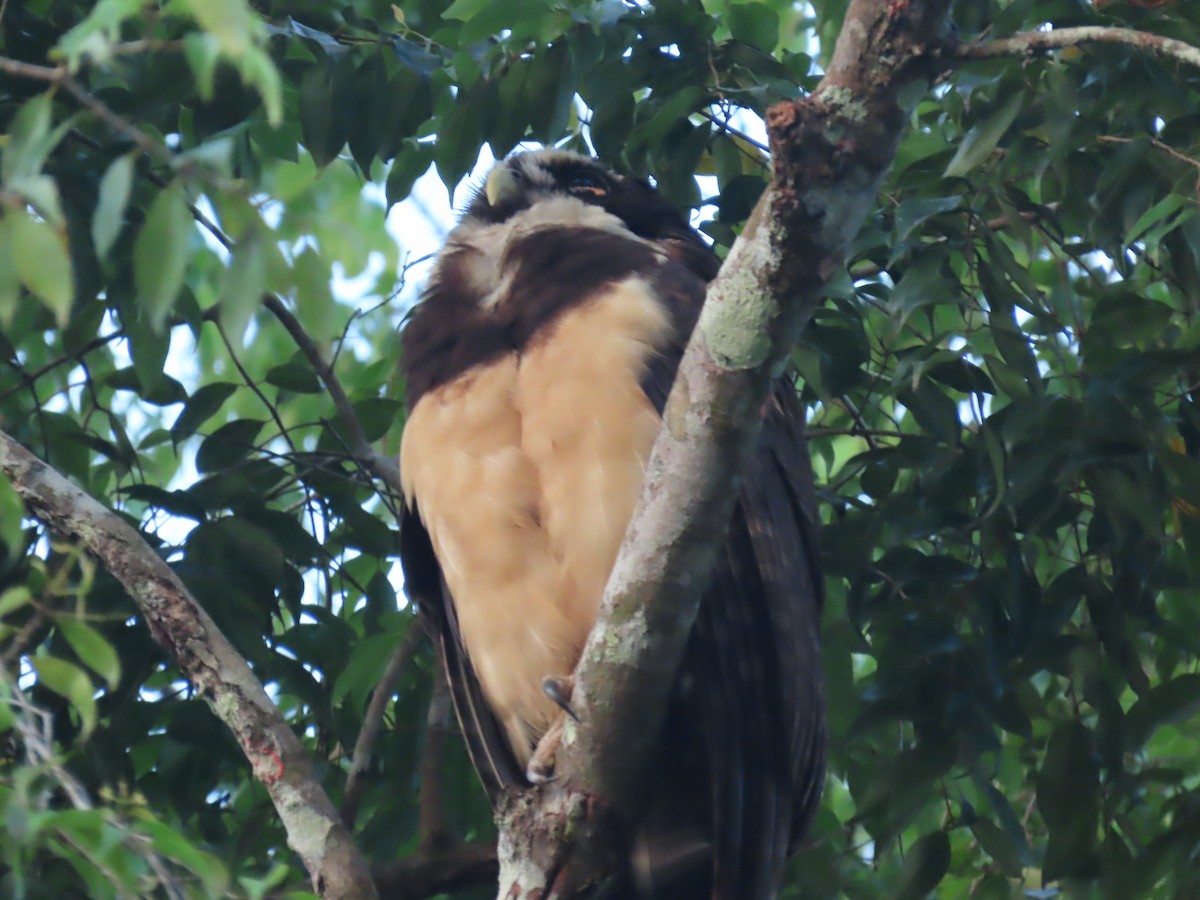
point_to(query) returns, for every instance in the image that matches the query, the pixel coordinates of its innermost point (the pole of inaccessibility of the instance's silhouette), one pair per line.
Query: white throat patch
(480, 248)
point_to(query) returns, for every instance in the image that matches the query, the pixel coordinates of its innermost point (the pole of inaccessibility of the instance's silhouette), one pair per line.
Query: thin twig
(360, 761)
(95, 344)
(724, 125)
(381, 465)
(253, 385)
(999, 223)
(432, 824)
(1154, 142)
(60, 76)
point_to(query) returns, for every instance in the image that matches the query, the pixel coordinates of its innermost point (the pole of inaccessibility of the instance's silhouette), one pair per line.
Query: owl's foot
(559, 689)
(541, 765)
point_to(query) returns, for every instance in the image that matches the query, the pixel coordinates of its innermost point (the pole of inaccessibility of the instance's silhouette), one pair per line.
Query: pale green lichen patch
(570, 732)
(308, 831)
(844, 100)
(736, 319)
(678, 402)
(623, 638)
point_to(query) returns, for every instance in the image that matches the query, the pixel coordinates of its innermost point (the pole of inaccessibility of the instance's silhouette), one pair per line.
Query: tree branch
(427, 874)
(1032, 42)
(432, 823)
(830, 152)
(210, 662)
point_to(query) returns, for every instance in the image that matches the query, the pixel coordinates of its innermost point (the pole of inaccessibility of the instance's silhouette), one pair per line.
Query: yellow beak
(502, 184)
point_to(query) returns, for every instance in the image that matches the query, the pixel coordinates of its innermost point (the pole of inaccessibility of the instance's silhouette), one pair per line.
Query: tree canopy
(199, 300)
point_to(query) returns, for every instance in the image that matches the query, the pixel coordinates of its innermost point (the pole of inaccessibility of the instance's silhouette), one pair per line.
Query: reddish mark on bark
(895, 7)
(781, 116)
(268, 765)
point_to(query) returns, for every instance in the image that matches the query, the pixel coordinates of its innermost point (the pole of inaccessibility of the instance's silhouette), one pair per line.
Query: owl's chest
(525, 471)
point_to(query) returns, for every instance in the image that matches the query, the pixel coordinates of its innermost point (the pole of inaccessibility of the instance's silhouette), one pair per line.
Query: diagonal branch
(830, 152)
(210, 662)
(384, 467)
(1032, 42)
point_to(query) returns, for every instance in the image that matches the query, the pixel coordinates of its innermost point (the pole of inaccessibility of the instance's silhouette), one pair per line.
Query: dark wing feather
(751, 680)
(424, 584)
(751, 674)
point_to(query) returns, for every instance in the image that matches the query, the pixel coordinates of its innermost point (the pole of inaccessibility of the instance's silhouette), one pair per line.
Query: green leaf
(28, 141)
(933, 410)
(243, 284)
(148, 348)
(200, 407)
(13, 599)
(95, 35)
(458, 143)
(364, 669)
(315, 304)
(40, 192)
(10, 284)
(92, 648)
(997, 844)
(12, 512)
(981, 140)
(324, 118)
(227, 445)
(203, 52)
(754, 23)
(160, 254)
(294, 376)
(407, 166)
(230, 21)
(1174, 701)
(1068, 775)
(177, 503)
(924, 867)
(1164, 208)
(8, 719)
(377, 415)
(109, 217)
(911, 213)
(465, 10)
(170, 843)
(43, 263)
(259, 72)
(71, 682)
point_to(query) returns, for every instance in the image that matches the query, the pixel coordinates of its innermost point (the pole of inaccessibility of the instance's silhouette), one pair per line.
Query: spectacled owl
(537, 366)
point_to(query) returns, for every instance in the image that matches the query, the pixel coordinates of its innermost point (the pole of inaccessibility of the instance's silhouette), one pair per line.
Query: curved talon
(559, 689)
(541, 764)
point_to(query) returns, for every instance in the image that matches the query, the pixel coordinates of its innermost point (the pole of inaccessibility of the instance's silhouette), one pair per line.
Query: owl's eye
(587, 184)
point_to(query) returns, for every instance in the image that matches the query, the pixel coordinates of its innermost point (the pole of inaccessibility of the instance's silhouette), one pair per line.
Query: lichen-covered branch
(1031, 42)
(830, 152)
(210, 662)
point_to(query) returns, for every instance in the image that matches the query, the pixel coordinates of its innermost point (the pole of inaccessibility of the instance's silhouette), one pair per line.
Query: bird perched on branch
(537, 366)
